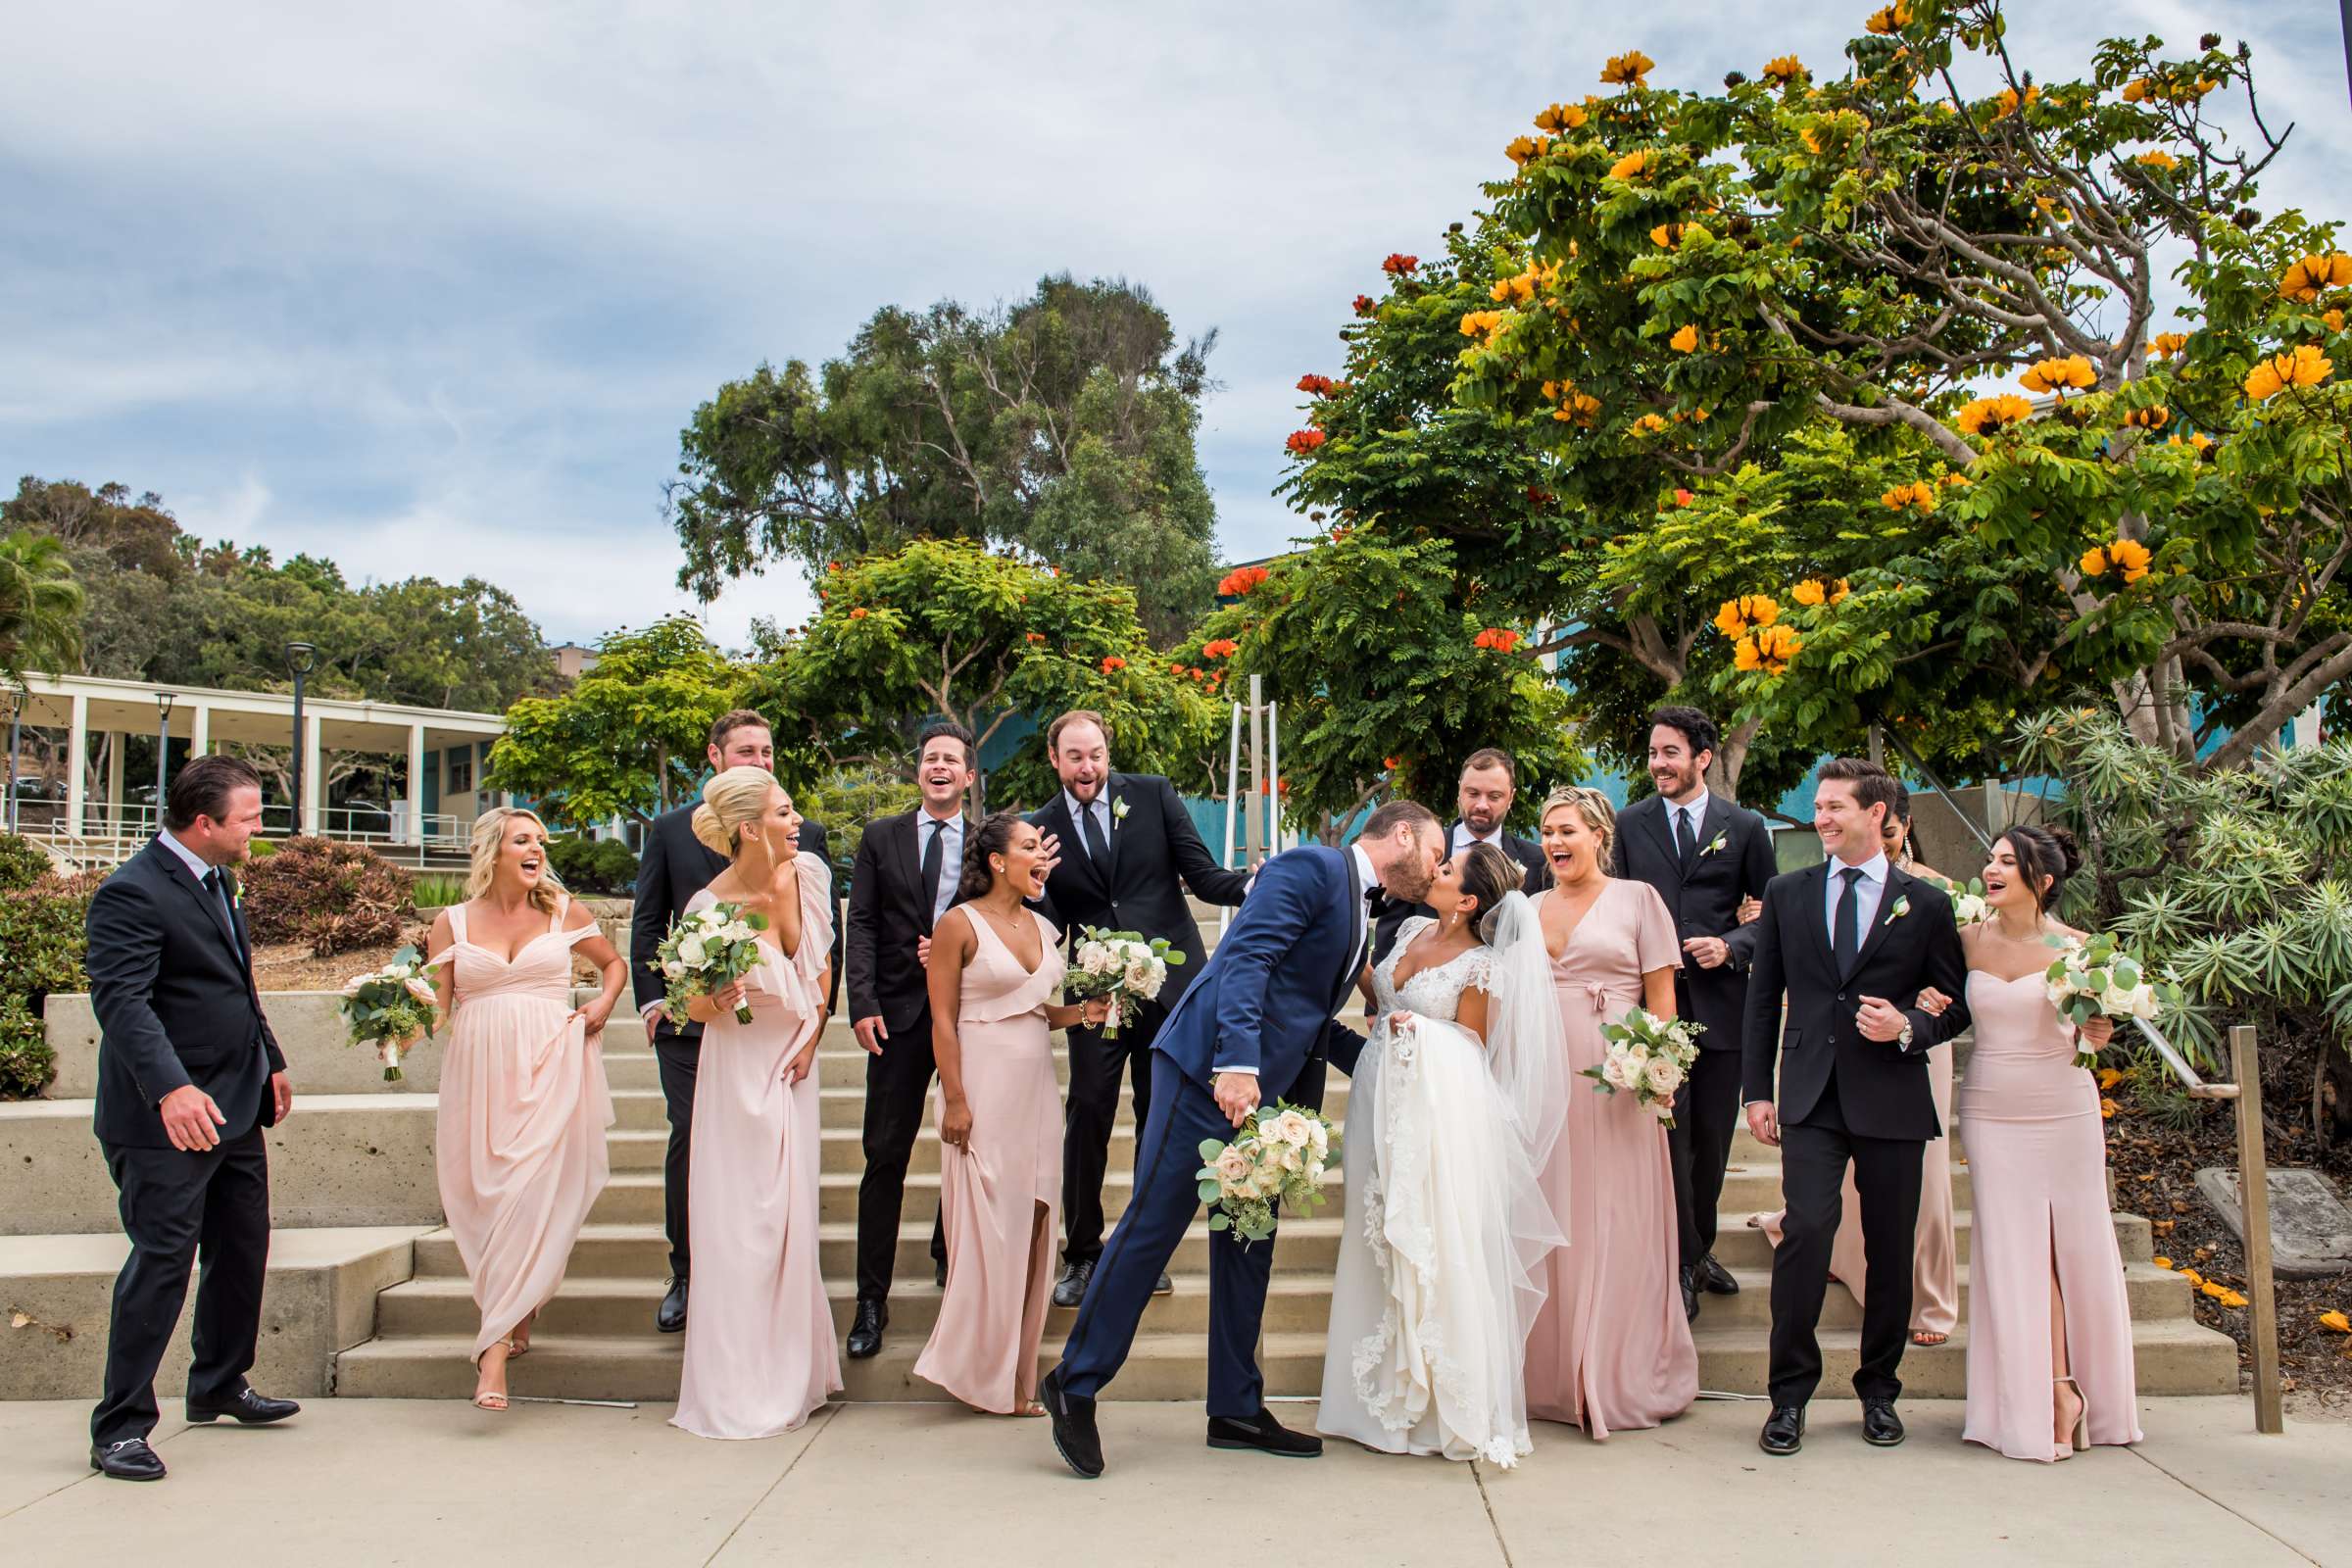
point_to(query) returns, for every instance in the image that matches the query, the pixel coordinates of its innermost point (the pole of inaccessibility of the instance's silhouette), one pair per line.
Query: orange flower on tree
(2011, 101)
(1037, 637)
(1398, 263)
(1562, 117)
(1781, 70)
(1684, 339)
(1629, 70)
(1112, 663)
(2164, 345)
(1775, 646)
(1919, 498)
(1683, 497)
(1667, 236)
(1482, 324)
(1523, 150)
(1991, 415)
(1319, 385)
(1501, 639)
(2149, 418)
(2310, 274)
(1889, 18)
(1302, 442)
(1649, 424)
(2304, 365)
(2071, 372)
(859, 614)
(2131, 557)
(2335, 319)
(1365, 305)
(2093, 561)
(1748, 610)
(2158, 158)
(1631, 167)
(1240, 580)
(1220, 648)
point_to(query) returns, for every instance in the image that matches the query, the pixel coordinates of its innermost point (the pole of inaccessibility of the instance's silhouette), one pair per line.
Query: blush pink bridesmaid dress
(2038, 1160)
(519, 1146)
(760, 1351)
(1000, 1198)
(1611, 1349)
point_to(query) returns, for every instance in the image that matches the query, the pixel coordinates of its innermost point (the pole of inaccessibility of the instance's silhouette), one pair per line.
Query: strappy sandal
(493, 1399)
(519, 1343)
(2078, 1438)
(1928, 1338)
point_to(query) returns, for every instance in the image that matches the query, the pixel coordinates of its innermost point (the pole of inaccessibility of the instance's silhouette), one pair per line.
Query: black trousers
(1814, 1156)
(677, 1056)
(898, 1082)
(1095, 1066)
(1706, 1115)
(206, 1209)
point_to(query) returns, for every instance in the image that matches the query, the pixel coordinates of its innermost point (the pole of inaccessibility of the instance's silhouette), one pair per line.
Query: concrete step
(635, 1197)
(2171, 1357)
(642, 1148)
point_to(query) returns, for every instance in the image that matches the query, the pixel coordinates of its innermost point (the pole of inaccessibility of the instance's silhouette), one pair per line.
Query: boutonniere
(1902, 906)
(1119, 809)
(1713, 844)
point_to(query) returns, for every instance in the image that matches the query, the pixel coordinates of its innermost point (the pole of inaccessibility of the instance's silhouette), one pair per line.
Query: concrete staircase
(595, 1339)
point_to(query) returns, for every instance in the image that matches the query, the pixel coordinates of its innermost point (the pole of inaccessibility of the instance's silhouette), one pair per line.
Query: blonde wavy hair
(1592, 807)
(489, 835)
(731, 799)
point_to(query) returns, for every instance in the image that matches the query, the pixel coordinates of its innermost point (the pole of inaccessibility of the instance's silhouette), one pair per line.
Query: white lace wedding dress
(1446, 1223)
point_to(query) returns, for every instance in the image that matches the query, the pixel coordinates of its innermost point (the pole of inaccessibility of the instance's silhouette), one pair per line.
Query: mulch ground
(2156, 1168)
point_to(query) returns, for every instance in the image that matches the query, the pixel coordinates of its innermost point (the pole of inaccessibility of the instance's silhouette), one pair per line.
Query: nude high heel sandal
(2080, 1437)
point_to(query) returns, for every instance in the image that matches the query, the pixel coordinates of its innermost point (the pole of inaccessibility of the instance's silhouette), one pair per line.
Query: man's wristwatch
(1905, 1039)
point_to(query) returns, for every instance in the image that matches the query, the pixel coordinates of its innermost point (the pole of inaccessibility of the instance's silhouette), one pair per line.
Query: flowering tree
(947, 629)
(1688, 282)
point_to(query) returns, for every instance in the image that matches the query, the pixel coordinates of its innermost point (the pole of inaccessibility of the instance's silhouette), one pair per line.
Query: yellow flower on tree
(2060, 376)
(1562, 117)
(1810, 592)
(2164, 345)
(1991, 415)
(1481, 324)
(1631, 165)
(1913, 497)
(1839, 591)
(2136, 89)
(1649, 424)
(1783, 70)
(2305, 366)
(2308, 276)
(1666, 236)
(2155, 418)
(2335, 320)
(1524, 150)
(1889, 18)
(1745, 656)
(2093, 561)
(1629, 70)
(2132, 555)
(2158, 158)
(1685, 340)
(1775, 646)
(2011, 101)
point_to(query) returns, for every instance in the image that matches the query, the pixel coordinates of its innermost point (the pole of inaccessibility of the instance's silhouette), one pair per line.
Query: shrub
(334, 896)
(845, 800)
(27, 1063)
(436, 890)
(42, 942)
(22, 863)
(601, 866)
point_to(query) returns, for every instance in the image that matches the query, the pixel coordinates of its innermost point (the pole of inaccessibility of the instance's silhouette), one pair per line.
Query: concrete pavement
(409, 1482)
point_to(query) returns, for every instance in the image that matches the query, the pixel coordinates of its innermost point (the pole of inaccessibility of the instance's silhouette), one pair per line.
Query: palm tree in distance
(40, 607)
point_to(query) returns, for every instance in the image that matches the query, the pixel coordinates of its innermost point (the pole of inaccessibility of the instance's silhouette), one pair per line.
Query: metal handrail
(2253, 1201)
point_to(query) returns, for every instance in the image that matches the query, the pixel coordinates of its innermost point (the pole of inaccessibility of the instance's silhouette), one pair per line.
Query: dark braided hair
(992, 837)
(2043, 851)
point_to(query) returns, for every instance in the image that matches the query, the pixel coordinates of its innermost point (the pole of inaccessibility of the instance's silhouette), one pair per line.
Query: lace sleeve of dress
(1480, 968)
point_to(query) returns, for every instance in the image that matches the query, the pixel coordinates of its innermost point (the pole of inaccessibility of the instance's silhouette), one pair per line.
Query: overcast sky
(431, 287)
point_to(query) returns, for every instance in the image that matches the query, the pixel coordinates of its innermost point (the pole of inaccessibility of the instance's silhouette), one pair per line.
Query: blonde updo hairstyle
(1592, 807)
(482, 849)
(732, 801)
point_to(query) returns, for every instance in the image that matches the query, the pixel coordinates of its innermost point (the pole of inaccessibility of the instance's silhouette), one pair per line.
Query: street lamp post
(162, 751)
(16, 719)
(301, 660)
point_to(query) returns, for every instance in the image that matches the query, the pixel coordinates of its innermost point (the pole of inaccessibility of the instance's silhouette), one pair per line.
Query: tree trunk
(1723, 772)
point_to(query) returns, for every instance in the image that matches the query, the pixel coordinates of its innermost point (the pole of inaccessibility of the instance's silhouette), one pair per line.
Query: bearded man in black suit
(676, 866)
(1127, 852)
(1488, 784)
(1703, 855)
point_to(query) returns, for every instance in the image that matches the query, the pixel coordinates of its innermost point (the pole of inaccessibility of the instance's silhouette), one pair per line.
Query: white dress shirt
(950, 857)
(1867, 894)
(1463, 837)
(1363, 919)
(1695, 809)
(198, 866)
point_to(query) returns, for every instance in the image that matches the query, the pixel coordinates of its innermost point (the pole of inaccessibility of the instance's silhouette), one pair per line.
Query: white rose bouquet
(1969, 903)
(1277, 1157)
(1118, 964)
(390, 1009)
(1649, 1057)
(2099, 979)
(706, 951)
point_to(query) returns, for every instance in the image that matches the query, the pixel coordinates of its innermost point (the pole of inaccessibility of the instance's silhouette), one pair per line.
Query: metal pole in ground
(2254, 1203)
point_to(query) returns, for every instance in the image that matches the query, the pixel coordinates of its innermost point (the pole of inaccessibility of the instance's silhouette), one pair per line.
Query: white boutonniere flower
(1902, 906)
(1119, 809)
(1713, 844)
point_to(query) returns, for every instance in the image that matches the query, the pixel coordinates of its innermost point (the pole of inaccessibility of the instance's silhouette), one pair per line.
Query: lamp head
(301, 657)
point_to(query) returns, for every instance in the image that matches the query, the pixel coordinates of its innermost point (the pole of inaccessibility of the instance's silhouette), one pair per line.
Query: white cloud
(431, 287)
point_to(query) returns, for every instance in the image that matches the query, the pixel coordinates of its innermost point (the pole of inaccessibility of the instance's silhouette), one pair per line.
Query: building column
(78, 745)
(200, 731)
(314, 788)
(415, 823)
(115, 747)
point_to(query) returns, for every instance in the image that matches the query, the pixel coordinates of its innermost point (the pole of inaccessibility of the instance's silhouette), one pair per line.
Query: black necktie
(1096, 850)
(1683, 838)
(1844, 940)
(217, 886)
(933, 854)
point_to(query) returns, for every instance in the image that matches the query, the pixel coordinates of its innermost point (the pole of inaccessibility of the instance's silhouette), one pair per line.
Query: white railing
(109, 835)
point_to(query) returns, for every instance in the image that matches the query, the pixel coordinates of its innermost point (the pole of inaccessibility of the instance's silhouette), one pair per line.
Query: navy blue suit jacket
(1264, 1004)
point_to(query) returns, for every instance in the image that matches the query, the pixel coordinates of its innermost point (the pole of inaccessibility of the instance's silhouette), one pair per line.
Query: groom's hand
(1764, 1122)
(1237, 1095)
(1879, 1020)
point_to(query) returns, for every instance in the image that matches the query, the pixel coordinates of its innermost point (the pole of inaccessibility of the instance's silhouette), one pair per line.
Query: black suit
(1731, 859)
(1394, 914)
(1846, 1098)
(1152, 850)
(173, 986)
(889, 913)
(675, 866)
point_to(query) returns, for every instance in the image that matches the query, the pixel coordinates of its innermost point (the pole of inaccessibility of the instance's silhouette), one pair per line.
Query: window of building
(460, 771)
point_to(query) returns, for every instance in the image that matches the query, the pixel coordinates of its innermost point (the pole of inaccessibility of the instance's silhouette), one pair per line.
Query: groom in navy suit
(1256, 1027)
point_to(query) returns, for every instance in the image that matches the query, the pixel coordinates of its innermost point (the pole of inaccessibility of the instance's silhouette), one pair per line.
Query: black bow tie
(1376, 899)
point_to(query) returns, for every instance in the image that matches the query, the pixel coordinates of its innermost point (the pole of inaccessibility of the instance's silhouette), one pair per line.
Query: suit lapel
(1660, 818)
(1358, 920)
(1716, 818)
(1075, 843)
(175, 871)
(911, 865)
(1110, 840)
(1815, 921)
(1898, 883)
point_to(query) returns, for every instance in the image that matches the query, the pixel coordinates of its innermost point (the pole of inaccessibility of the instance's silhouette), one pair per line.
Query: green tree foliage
(630, 737)
(947, 629)
(40, 606)
(1388, 676)
(1061, 426)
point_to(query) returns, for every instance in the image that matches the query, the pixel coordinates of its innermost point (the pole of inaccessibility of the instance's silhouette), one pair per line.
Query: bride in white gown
(1452, 1114)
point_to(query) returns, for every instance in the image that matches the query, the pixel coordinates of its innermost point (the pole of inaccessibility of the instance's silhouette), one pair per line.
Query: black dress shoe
(1264, 1434)
(1690, 1279)
(1882, 1428)
(939, 1273)
(1073, 1416)
(1071, 1288)
(245, 1407)
(1715, 1279)
(670, 1316)
(129, 1460)
(1165, 1287)
(1783, 1430)
(866, 1329)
